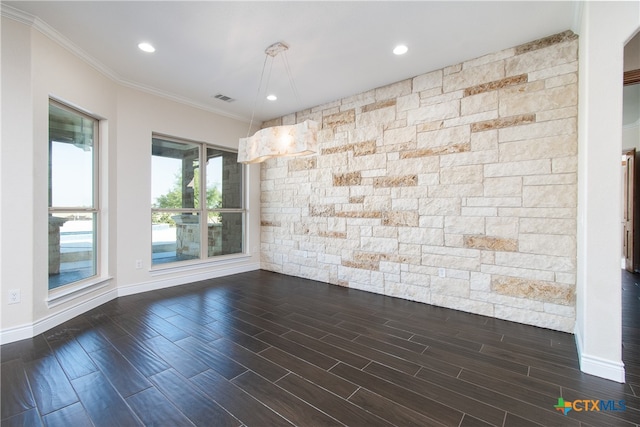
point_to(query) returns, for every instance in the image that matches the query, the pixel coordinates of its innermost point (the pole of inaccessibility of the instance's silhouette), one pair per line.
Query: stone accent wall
(455, 188)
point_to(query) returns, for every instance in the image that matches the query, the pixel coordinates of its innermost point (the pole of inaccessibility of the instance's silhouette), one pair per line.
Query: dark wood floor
(263, 349)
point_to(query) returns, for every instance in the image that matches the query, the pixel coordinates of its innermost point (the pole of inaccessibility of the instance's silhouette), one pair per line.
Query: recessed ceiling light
(272, 97)
(146, 47)
(400, 49)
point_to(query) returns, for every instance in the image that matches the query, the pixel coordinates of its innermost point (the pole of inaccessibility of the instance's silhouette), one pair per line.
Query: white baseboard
(42, 325)
(16, 333)
(604, 368)
(153, 285)
(26, 331)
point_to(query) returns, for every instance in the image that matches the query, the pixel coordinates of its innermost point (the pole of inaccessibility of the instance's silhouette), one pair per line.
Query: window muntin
(183, 195)
(73, 196)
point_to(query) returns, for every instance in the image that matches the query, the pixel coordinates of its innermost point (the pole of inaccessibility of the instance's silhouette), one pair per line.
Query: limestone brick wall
(455, 188)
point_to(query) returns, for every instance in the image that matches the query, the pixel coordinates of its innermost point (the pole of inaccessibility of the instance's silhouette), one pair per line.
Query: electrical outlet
(14, 296)
(138, 263)
(442, 272)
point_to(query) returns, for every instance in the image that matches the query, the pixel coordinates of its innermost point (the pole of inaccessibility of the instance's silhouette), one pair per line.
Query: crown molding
(53, 34)
(56, 36)
(182, 100)
(16, 14)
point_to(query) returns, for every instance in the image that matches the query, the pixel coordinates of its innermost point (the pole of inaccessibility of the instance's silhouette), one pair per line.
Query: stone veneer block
(364, 148)
(338, 149)
(542, 148)
(505, 227)
(273, 122)
(503, 122)
(430, 113)
(547, 244)
(461, 175)
(491, 243)
(359, 149)
(473, 76)
(427, 81)
(480, 103)
(359, 214)
(552, 196)
(497, 84)
(394, 90)
(339, 119)
(301, 164)
(521, 168)
(446, 149)
(539, 290)
(548, 225)
(322, 210)
(362, 265)
(430, 126)
(367, 256)
(395, 181)
(533, 102)
(546, 41)
(350, 178)
(333, 234)
(379, 105)
(532, 131)
(400, 218)
(400, 136)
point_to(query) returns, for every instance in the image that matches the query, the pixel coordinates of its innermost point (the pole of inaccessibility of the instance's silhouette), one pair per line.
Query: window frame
(95, 210)
(202, 210)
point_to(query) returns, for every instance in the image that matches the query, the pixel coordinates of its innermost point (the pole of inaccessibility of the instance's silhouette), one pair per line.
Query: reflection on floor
(631, 328)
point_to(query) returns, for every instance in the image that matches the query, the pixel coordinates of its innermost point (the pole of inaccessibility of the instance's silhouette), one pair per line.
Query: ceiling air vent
(224, 98)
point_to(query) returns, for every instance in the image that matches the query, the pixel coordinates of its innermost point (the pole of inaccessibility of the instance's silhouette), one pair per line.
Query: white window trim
(70, 289)
(202, 211)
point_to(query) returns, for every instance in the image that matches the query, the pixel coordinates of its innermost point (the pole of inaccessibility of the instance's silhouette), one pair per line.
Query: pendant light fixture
(278, 141)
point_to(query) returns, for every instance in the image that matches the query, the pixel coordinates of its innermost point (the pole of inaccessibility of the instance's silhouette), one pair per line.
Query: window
(193, 204)
(73, 196)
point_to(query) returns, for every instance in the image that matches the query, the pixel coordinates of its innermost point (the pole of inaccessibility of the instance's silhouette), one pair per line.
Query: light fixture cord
(290, 75)
(255, 103)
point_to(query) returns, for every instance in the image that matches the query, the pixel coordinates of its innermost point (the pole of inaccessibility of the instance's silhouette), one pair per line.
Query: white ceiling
(337, 49)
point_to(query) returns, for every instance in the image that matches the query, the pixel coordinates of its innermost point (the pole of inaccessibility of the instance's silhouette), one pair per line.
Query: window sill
(60, 297)
(178, 267)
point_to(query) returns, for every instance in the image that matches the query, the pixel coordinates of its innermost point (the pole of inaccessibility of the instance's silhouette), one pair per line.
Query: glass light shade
(279, 141)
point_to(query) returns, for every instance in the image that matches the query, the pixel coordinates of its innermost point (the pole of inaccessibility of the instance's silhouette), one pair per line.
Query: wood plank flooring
(264, 349)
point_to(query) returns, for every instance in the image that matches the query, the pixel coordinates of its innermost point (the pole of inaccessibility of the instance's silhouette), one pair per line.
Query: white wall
(34, 69)
(16, 179)
(59, 74)
(605, 28)
(140, 115)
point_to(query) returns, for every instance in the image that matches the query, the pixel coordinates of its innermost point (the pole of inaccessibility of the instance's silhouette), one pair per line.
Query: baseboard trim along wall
(186, 278)
(42, 325)
(603, 368)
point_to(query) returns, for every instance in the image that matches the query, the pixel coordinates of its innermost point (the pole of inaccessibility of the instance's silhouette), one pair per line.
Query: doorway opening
(631, 212)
